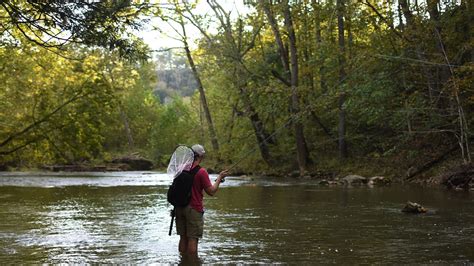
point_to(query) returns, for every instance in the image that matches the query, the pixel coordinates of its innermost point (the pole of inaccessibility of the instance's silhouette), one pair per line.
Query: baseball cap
(198, 149)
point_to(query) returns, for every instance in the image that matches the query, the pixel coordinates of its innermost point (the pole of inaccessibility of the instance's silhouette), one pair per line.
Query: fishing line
(412, 60)
(352, 72)
(294, 116)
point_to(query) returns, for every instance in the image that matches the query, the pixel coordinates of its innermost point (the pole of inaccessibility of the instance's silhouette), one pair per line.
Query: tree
(342, 77)
(234, 47)
(290, 77)
(50, 109)
(60, 110)
(55, 24)
(179, 19)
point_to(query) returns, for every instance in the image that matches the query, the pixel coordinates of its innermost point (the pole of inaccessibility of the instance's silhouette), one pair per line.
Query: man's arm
(211, 190)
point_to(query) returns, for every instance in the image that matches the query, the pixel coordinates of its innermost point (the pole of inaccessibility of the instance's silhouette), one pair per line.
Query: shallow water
(124, 218)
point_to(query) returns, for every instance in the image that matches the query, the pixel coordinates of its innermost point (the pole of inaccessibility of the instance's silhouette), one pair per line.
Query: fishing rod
(292, 118)
(264, 140)
(419, 61)
(243, 157)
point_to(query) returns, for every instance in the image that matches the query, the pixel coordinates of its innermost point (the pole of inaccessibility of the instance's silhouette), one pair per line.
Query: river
(123, 217)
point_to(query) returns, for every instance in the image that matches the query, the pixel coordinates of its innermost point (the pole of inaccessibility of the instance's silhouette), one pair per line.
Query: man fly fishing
(190, 212)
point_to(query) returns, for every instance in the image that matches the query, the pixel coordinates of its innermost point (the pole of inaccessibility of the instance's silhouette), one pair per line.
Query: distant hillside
(175, 78)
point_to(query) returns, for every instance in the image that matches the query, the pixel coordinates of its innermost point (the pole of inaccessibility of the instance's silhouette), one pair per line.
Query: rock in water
(352, 180)
(324, 182)
(413, 207)
(379, 181)
(135, 163)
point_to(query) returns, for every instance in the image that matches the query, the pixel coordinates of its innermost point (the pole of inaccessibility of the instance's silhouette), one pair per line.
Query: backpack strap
(195, 170)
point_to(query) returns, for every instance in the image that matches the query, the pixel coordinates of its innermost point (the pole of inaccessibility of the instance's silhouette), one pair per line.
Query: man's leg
(192, 248)
(194, 230)
(181, 230)
(183, 244)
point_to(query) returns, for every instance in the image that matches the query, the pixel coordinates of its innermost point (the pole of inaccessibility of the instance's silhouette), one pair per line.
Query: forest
(313, 87)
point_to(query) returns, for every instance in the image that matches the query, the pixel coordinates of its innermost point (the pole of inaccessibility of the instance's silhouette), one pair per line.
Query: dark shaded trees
(55, 24)
(342, 76)
(290, 76)
(392, 80)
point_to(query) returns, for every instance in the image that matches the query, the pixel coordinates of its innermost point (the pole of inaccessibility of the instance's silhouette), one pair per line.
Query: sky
(160, 41)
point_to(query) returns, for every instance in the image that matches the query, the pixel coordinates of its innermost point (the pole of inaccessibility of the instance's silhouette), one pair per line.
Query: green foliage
(55, 24)
(58, 110)
(175, 77)
(176, 125)
(397, 96)
(406, 81)
(51, 103)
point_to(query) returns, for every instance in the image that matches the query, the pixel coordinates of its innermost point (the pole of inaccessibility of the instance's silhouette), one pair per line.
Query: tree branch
(280, 78)
(367, 3)
(42, 120)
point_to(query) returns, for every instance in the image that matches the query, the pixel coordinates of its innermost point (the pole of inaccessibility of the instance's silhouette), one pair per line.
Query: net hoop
(182, 159)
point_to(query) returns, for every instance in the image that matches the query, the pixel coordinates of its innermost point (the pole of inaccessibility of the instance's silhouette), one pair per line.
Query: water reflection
(115, 218)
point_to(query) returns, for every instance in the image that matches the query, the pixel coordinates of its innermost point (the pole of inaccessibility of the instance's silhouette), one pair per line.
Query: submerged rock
(354, 180)
(294, 174)
(379, 181)
(246, 177)
(413, 207)
(324, 182)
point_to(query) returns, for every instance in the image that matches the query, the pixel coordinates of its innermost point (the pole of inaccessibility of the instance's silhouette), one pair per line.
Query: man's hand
(222, 176)
(220, 179)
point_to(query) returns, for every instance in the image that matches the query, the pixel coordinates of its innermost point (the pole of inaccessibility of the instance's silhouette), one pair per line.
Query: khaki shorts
(189, 222)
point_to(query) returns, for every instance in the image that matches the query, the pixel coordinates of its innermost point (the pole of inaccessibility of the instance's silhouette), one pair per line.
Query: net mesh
(182, 159)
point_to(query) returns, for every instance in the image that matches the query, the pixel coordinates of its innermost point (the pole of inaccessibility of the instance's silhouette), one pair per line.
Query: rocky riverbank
(459, 178)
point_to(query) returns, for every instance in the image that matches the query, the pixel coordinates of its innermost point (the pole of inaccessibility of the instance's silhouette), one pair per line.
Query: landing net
(182, 159)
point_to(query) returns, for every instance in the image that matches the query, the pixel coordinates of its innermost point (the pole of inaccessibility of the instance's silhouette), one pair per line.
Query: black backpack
(179, 193)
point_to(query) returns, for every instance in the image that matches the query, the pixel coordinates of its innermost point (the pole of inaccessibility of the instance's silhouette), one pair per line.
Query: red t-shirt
(201, 181)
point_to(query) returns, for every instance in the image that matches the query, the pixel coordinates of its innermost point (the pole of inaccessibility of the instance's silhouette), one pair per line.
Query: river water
(124, 218)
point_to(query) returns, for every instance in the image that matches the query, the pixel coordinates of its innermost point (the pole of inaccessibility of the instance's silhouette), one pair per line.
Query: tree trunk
(263, 138)
(207, 113)
(128, 131)
(342, 77)
(428, 165)
(236, 54)
(326, 130)
(411, 27)
(350, 37)
(406, 12)
(306, 41)
(434, 17)
(301, 147)
(319, 41)
(390, 14)
(281, 47)
(400, 19)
